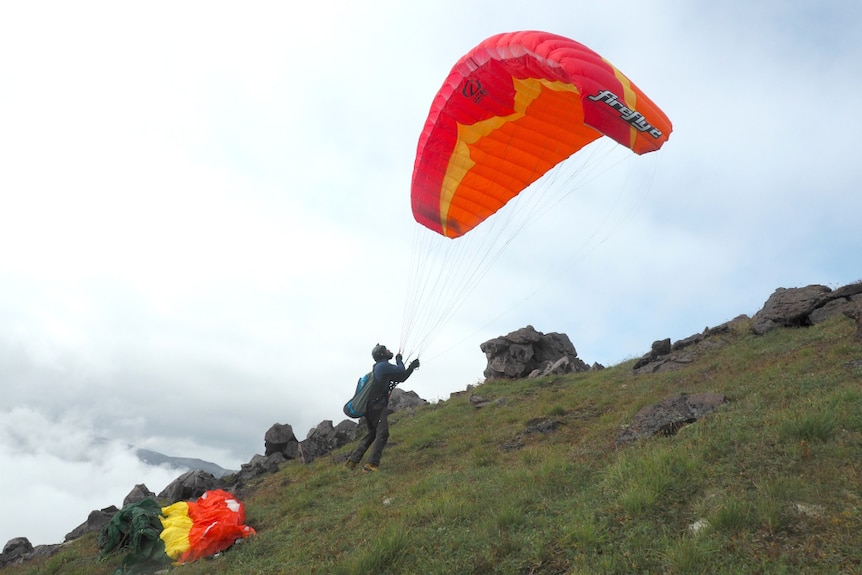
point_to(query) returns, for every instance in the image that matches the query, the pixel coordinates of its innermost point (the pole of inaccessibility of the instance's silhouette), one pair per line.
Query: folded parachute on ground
(135, 527)
(511, 109)
(182, 532)
(204, 527)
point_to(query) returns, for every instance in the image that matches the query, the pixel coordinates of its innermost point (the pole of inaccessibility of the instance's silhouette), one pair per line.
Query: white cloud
(56, 471)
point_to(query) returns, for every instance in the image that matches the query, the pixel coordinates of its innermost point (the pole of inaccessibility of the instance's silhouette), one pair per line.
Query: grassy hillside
(771, 483)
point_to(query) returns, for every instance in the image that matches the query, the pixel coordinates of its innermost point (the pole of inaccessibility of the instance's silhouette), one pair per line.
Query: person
(386, 377)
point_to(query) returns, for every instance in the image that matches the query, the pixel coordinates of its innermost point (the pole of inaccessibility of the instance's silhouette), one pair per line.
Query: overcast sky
(205, 219)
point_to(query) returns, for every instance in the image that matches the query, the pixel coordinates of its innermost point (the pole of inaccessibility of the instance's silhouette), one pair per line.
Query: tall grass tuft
(689, 556)
(818, 425)
(381, 555)
(732, 514)
(647, 478)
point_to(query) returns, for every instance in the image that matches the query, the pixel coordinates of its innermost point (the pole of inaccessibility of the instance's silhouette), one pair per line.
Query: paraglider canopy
(521, 121)
(511, 109)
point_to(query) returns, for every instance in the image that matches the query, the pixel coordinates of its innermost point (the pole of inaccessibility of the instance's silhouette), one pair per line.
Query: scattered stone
(669, 415)
(538, 425)
(813, 511)
(698, 526)
(478, 401)
(542, 425)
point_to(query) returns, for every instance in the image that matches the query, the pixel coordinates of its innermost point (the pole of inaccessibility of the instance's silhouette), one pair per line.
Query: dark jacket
(386, 377)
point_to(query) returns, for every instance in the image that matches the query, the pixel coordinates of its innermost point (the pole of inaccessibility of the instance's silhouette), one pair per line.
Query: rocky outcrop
(802, 307)
(664, 356)
(190, 485)
(530, 353)
(795, 307)
(19, 550)
(401, 400)
(138, 493)
(856, 315)
(325, 438)
(669, 415)
(280, 439)
(101, 517)
(95, 522)
(260, 465)
(281, 444)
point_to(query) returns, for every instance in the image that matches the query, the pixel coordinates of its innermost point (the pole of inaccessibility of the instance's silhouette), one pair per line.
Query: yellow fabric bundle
(176, 525)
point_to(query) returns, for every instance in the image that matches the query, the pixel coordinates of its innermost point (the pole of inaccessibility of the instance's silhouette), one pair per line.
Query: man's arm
(398, 373)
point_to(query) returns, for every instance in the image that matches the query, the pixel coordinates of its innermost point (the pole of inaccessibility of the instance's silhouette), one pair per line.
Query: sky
(205, 216)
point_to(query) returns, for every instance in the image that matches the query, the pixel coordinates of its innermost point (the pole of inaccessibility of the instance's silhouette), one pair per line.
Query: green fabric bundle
(136, 527)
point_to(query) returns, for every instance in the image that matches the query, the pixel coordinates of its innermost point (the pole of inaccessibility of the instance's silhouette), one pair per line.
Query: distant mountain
(186, 463)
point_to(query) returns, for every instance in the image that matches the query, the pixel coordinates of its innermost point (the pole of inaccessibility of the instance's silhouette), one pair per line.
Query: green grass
(770, 484)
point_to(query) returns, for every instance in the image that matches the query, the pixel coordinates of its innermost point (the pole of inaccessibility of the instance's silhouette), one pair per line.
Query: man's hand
(414, 364)
(398, 358)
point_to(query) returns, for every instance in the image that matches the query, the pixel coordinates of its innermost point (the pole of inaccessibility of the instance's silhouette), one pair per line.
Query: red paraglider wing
(511, 109)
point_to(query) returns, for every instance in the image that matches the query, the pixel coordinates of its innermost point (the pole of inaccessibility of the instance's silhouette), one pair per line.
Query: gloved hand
(414, 364)
(398, 358)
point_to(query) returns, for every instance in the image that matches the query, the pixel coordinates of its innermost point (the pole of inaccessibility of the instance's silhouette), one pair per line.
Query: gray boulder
(320, 441)
(19, 550)
(802, 307)
(401, 400)
(189, 486)
(530, 353)
(345, 432)
(138, 493)
(95, 521)
(325, 438)
(16, 550)
(658, 349)
(280, 439)
(259, 465)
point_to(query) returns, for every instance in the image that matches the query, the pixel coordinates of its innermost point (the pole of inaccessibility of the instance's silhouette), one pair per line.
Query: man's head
(380, 353)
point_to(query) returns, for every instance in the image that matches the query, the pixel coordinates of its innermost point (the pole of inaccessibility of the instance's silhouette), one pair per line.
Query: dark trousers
(377, 420)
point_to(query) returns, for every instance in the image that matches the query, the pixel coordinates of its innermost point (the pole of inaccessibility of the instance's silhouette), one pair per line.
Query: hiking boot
(370, 468)
(351, 465)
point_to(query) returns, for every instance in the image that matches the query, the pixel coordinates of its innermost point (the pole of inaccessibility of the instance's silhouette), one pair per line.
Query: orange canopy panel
(510, 110)
(196, 529)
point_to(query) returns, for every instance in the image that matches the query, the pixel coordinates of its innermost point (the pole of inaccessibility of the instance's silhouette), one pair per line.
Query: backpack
(356, 406)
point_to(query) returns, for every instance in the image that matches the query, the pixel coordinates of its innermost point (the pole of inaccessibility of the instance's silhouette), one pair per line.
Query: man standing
(386, 377)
